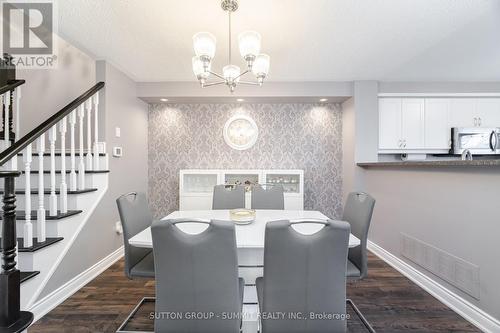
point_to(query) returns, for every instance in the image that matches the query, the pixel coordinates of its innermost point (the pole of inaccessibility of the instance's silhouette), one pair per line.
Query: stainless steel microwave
(478, 140)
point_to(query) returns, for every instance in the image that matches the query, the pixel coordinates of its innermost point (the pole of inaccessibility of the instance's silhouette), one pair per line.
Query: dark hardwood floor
(389, 301)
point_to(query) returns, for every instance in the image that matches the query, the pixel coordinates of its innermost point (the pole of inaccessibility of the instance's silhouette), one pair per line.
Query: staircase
(50, 190)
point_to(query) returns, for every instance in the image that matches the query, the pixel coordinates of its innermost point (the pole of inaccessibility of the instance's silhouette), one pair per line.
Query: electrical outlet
(118, 132)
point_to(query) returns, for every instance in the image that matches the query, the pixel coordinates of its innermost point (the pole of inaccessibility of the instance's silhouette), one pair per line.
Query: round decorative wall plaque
(241, 132)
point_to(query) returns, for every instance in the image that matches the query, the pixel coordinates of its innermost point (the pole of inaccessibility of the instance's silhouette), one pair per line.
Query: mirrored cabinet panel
(247, 180)
(290, 182)
(199, 183)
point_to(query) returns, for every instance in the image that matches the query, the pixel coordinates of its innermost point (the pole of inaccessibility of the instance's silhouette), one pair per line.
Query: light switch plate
(118, 132)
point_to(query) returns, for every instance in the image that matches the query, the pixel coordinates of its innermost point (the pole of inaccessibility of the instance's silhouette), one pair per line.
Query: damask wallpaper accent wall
(291, 136)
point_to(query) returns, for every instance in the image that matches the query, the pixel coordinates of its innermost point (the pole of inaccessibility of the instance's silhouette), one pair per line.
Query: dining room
(244, 166)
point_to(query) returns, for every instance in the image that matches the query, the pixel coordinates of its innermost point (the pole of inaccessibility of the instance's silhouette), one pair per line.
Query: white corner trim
(49, 302)
(464, 308)
(439, 95)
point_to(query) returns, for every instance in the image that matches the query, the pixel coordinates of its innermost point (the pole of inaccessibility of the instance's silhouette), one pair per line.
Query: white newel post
(53, 197)
(40, 227)
(63, 195)
(72, 173)
(28, 226)
(88, 157)
(96, 131)
(81, 164)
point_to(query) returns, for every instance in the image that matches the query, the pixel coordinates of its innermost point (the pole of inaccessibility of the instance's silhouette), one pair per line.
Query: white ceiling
(308, 40)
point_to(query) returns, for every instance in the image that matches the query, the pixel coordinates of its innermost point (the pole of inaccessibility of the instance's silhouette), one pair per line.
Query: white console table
(196, 185)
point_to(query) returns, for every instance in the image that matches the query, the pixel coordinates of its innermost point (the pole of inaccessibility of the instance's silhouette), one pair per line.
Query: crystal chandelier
(249, 45)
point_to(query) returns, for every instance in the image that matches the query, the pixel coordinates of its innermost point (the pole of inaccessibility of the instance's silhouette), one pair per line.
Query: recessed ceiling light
(240, 100)
(164, 99)
(323, 100)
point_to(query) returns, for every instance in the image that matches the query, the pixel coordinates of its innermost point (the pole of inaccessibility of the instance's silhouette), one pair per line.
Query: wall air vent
(458, 272)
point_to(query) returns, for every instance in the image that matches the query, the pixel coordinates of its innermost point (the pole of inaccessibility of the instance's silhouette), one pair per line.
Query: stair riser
(21, 202)
(46, 163)
(21, 180)
(51, 227)
(28, 261)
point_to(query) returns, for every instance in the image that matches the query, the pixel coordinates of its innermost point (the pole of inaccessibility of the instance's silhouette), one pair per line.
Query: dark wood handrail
(22, 143)
(11, 85)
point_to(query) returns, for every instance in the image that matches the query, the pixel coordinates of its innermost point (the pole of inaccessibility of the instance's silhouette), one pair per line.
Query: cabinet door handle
(400, 143)
(480, 121)
(475, 122)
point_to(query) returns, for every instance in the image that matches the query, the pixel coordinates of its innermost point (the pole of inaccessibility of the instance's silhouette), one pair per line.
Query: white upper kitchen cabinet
(437, 124)
(389, 123)
(412, 123)
(463, 112)
(488, 112)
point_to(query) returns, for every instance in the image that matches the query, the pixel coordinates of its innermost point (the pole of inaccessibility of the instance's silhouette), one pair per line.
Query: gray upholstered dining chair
(228, 198)
(197, 274)
(296, 265)
(358, 213)
(135, 217)
(268, 198)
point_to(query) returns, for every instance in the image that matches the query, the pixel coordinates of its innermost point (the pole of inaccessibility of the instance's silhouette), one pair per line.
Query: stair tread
(36, 245)
(47, 191)
(20, 215)
(68, 171)
(59, 154)
(25, 276)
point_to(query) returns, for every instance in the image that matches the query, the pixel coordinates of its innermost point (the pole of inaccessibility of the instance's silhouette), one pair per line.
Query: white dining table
(250, 244)
(247, 236)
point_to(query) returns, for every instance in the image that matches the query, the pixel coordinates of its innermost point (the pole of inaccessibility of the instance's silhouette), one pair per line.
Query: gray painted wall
(291, 136)
(98, 237)
(47, 91)
(455, 210)
(351, 174)
(182, 90)
(366, 126)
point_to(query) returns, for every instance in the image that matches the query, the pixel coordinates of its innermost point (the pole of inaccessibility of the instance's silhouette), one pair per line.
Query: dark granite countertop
(434, 163)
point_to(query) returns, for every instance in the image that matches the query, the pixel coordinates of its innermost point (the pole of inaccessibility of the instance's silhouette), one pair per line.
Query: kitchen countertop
(433, 163)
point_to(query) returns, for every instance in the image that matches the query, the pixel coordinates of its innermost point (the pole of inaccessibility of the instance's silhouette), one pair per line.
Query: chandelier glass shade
(204, 44)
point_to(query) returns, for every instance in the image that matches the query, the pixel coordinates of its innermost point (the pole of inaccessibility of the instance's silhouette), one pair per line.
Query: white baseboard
(464, 308)
(49, 302)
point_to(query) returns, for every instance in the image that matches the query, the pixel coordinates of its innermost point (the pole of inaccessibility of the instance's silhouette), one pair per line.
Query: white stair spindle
(28, 226)
(81, 165)
(89, 163)
(72, 174)
(53, 197)
(63, 195)
(96, 131)
(16, 119)
(40, 227)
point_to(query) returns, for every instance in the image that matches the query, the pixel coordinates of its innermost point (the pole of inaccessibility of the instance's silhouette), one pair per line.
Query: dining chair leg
(360, 315)
(132, 314)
